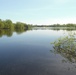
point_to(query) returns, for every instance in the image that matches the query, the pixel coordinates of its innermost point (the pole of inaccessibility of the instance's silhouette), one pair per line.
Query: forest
(57, 25)
(7, 27)
(8, 24)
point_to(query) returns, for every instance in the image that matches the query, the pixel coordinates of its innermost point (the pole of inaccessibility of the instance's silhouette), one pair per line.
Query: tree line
(8, 24)
(7, 27)
(57, 25)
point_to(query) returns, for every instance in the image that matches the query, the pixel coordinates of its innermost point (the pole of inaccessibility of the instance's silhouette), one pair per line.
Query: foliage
(6, 32)
(57, 25)
(1, 24)
(8, 24)
(66, 46)
(7, 27)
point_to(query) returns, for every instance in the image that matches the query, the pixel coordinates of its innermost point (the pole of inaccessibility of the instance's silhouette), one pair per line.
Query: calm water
(29, 53)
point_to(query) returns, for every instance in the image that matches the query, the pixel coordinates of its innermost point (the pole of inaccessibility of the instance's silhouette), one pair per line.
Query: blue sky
(39, 11)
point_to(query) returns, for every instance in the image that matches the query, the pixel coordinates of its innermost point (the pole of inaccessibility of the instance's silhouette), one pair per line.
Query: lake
(31, 53)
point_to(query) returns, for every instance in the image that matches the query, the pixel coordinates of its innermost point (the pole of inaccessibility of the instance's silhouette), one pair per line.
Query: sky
(39, 11)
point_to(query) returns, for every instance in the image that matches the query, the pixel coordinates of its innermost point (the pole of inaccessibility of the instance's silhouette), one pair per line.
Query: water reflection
(6, 32)
(66, 47)
(19, 31)
(55, 28)
(28, 54)
(9, 32)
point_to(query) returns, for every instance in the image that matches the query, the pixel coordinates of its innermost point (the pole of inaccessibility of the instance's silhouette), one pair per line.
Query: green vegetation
(9, 32)
(8, 24)
(66, 46)
(57, 25)
(63, 28)
(64, 25)
(6, 32)
(7, 27)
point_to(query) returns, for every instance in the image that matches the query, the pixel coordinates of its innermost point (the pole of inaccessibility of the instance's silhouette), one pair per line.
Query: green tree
(8, 24)
(1, 24)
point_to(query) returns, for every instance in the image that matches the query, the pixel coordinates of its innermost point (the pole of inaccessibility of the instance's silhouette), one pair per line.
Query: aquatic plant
(66, 46)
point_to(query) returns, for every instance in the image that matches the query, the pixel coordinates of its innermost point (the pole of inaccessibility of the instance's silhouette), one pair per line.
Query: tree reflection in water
(66, 47)
(9, 32)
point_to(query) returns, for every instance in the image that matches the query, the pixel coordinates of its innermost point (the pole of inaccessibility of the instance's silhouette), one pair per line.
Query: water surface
(29, 53)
